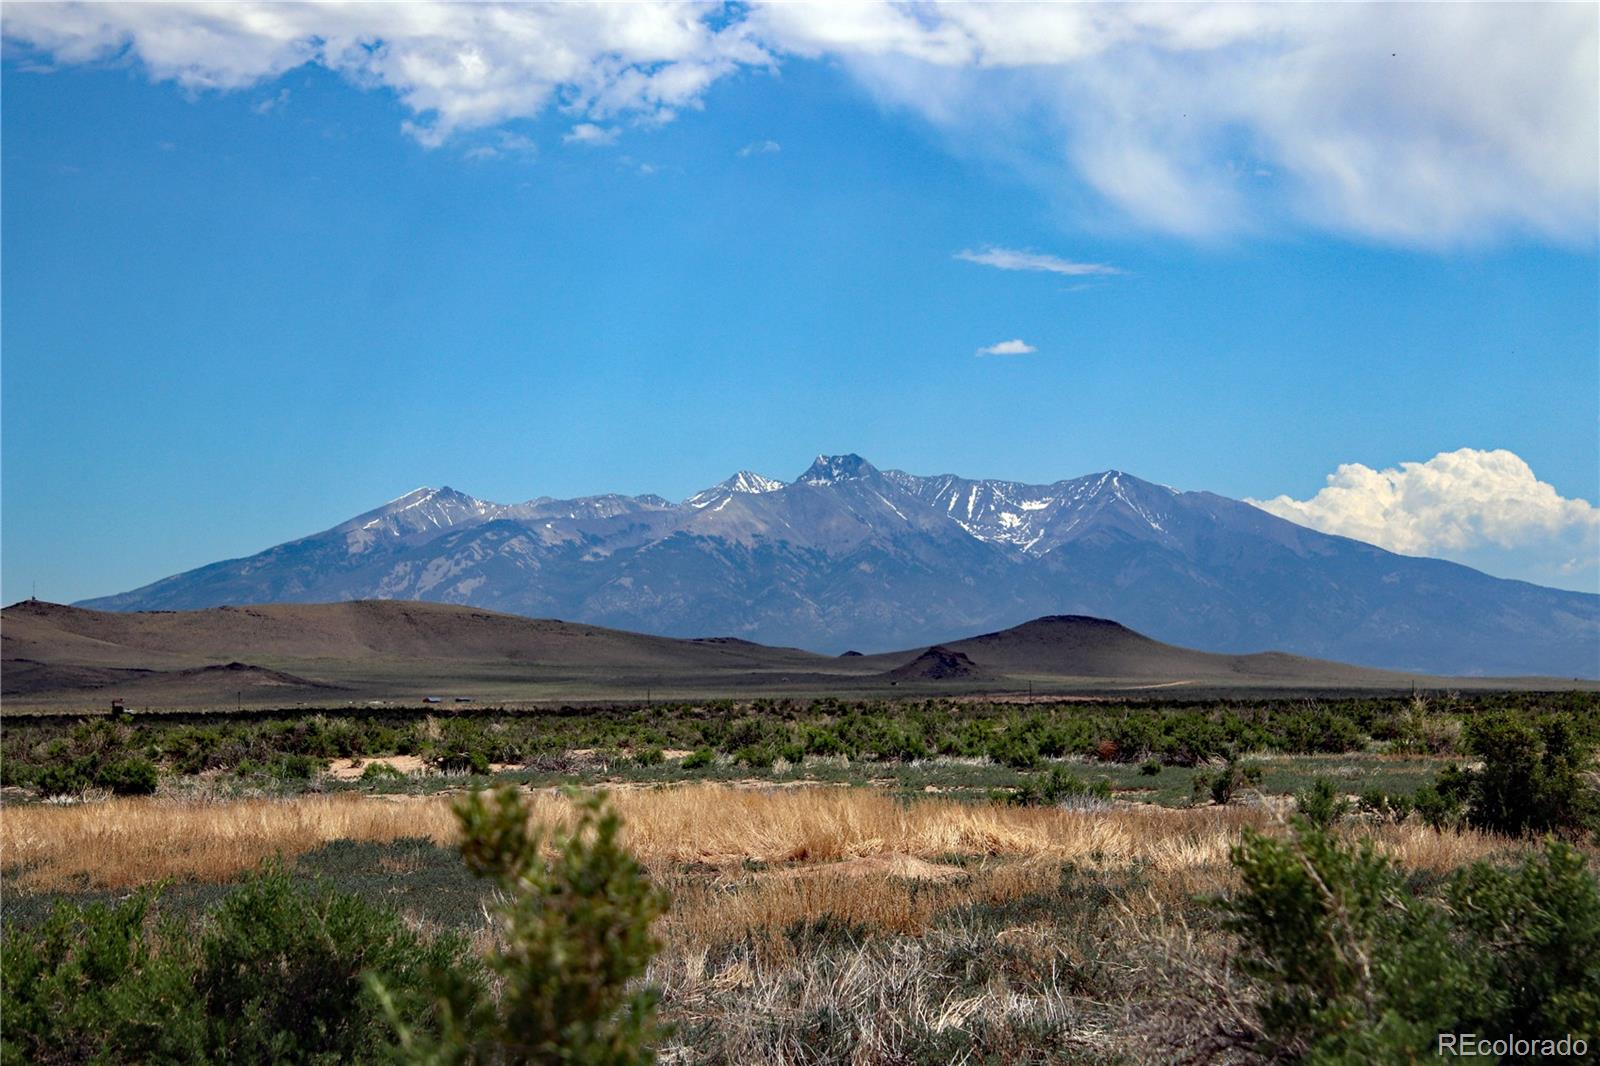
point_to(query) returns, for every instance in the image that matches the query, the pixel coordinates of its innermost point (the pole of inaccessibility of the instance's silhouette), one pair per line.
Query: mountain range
(850, 556)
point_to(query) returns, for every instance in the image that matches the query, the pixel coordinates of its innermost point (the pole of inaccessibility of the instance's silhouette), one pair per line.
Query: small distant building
(432, 699)
(463, 699)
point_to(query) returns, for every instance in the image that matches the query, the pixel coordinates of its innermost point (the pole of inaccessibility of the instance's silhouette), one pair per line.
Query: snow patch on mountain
(745, 482)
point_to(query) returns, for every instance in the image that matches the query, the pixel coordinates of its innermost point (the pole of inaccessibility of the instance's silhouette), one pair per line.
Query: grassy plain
(878, 925)
(849, 881)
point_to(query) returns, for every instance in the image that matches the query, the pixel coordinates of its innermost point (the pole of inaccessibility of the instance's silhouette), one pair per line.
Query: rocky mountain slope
(848, 556)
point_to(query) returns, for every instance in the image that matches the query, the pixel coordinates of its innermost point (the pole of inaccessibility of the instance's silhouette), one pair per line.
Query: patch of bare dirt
(351, 769)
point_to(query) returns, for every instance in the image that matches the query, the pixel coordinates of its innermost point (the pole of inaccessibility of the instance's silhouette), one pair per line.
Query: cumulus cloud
(1010, 259)
(1406, 123)
(589, 133)
(1470, 505)
(1013, 347)
(453, 66)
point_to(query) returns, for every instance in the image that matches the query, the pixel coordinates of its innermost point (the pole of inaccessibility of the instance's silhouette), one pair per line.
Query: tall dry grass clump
(127, 842)
(121, 843)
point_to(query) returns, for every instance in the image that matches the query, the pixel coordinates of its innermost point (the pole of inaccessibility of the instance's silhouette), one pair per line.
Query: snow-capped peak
(745, 481)
(750, 481)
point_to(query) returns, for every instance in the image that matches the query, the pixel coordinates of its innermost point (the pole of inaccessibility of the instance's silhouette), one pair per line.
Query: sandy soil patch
(352, 769)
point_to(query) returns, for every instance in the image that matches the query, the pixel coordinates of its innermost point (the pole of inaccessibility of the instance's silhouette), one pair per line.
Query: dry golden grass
(762, 907)
(1106, 968)
(123, 843)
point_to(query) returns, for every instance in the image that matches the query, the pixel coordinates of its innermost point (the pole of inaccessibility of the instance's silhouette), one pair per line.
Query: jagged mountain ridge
(849, 556)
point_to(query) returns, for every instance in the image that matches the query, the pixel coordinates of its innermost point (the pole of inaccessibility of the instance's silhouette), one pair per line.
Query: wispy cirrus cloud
(272, 102)
(1011, 347)
(1012, 259)
(760, 148)
(504, 145)
(1409, 124)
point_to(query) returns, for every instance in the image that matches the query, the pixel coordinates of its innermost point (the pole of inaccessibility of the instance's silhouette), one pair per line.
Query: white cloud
(1010, 259)
(504, 145)
(1014, 347)
(271, 102)
(1482, 507)
(1417, 124)
(589, 133)
(760, 148)
(453, 66)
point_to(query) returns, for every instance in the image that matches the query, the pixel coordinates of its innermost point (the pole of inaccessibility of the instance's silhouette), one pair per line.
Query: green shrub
(1386, 806)
(1321, 804)
(16, 773)
(1224, 784)
(891, 743)
(1133, 737)
(459, 759)
(1191, 740)
(1532, 778)
(651, 756)
(283, 972)
(1150, 767)
(757, 757)
(575, 932)
(1015, 750)
(295, 767)
(1421, 732)
(1531, 781)
(70, 779)
(97, 984)
(700, 759)
(1350, 965)
(824, 740)
(1059, 787)
(1538, 930)
(380, 771)
(126, 776)
(1316, 730)
(276, 974)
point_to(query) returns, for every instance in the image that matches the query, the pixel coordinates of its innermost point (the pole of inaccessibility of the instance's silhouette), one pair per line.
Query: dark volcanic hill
(340, 652)
(323, 654)
(847, 556)
(362, 631)
(1078, 646)
(939, 663)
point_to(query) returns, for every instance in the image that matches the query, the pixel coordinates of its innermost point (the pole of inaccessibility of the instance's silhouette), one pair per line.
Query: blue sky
(247, 297)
